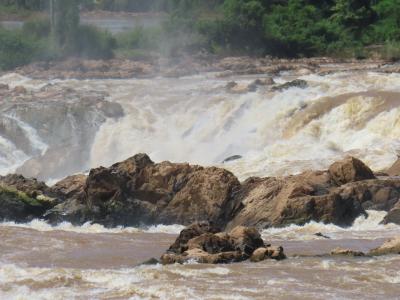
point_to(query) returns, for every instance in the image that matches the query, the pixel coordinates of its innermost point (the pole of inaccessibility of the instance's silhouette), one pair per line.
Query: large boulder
(373, 194)
(348, 170)
(138, 191)
(190, 232)
(196, 244)
(266, 202)
(391, 246)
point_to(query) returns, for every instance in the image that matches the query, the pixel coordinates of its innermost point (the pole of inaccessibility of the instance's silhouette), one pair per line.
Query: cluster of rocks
(391, 246)
(184, 65)
(138, 191)
(203, 243)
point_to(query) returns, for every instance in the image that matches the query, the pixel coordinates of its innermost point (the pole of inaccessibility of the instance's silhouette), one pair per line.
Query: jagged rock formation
(200, 242)
(138, 191)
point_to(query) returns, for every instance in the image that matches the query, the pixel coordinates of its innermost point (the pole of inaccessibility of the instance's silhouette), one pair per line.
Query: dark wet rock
(319, 234)
(348, 170)
(373, 194)
(232, 158)
(393, 215)
(190, 232)
(201, 256)
(394, 170)
(4, 86)
(391, 246)
(17, 206)
(149, 262)
(346, 252)
(70, 187)
(30, 186)
(222, 247)
(268, 252)
(298, 83)
(246, 239)
(138, 191)
(298, 199)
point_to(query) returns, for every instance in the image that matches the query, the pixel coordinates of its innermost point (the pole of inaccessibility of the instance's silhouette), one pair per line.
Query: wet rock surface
(138, 191)
(391, 246)
(23, 199)
(43, 123)
(206, 246)
(346, 252)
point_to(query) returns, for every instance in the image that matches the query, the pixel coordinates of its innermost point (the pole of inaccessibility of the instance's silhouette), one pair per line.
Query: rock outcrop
(298, 83)
(349, 170)
(296, 199)
(200, 243)
(138, 191)
(391, 246)
(346, 252)
(393, 215)
(17, 206)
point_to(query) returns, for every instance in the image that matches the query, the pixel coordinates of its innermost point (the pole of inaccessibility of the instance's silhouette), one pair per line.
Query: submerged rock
(222, 247)
(391, 246)
(346, 252)
(232, 158)
(299, 83)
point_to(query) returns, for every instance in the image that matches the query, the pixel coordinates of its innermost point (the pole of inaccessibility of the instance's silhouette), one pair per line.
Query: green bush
(93, 43)
(140, 38)
(16, 49)
(37, 28)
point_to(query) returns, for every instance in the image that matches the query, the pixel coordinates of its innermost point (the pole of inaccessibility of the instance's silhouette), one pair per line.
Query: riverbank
(185, 65)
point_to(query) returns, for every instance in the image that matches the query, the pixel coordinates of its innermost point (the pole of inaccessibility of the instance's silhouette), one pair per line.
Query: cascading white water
(195, 119)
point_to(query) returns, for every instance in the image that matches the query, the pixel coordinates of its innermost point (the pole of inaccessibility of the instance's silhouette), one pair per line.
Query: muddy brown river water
(91, 262)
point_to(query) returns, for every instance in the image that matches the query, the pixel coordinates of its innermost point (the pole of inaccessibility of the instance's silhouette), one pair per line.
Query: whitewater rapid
(195, 119)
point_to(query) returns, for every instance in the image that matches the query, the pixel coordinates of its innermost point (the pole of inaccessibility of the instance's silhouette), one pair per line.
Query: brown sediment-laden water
(198, 119)
(91, 262)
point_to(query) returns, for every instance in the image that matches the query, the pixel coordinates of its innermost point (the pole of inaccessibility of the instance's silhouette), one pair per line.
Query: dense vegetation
(289, 28)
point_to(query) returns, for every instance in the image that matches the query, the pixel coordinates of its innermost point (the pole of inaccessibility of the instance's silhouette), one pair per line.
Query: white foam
(89, 228)
(362, 228)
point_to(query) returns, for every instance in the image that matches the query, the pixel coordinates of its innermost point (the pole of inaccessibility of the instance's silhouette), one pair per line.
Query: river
(196, 119)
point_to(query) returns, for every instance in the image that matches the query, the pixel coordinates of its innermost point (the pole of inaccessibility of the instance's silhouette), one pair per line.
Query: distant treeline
(285, 28)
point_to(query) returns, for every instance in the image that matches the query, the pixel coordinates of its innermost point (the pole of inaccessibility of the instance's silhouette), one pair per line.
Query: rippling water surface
(38, 261)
